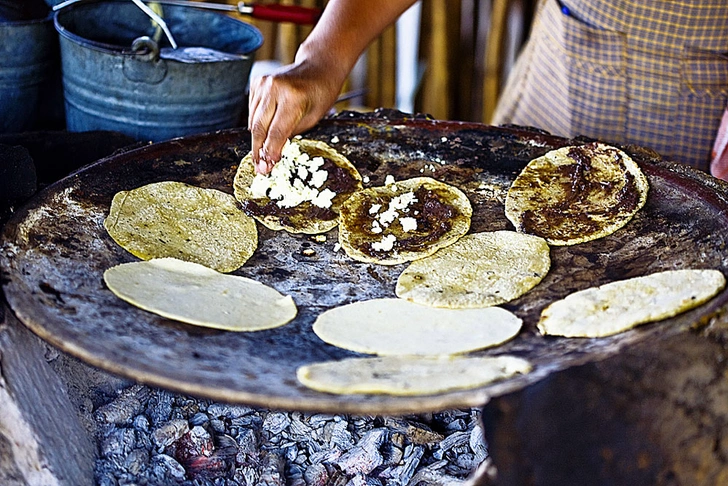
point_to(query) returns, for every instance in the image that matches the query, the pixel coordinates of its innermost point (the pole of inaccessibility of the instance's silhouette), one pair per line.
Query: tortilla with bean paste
(403, 221)
(576, 194)
(303, 192)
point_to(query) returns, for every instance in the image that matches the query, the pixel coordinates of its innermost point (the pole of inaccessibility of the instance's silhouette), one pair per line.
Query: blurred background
(446, 58)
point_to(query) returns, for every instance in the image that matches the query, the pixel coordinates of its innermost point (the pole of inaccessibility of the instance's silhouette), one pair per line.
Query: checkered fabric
(647, 72)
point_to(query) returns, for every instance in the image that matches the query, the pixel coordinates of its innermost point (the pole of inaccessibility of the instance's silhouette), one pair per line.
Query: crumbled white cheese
(402, 201)
(295, 179)
(334, 139)
(389, 180)
(375, 208)
(408, 224)
(376, 228)
(386, 244)
(365, 179)
(443, 139)
(388, 216)
(324, 198)
(337, 247)
(319, 238)
(318, 178)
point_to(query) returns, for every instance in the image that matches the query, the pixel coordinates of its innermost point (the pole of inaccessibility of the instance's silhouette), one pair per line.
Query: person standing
(646, 72)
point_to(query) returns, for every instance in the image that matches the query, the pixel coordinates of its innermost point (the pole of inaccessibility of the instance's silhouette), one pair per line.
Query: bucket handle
(145, 49)
(144, 65)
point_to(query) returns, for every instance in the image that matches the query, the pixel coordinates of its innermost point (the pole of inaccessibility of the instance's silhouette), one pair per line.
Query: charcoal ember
(336, 434)
(477, 444)
(137, 461)
(316, 475)
(403, 474)
(272, 470)
(199, 418)
(365, 456)
(415, 432)
(325, 456)
(457, 439)
(196, 442)
(159, 407)
(393, 449)
(275, 423)
(119, 442)
(164, 465)
(219, 426)
(297, 429)
(170, 432)
(247, 441)
(141, 423)
(221, 410)
(432, 475)
(130, 402)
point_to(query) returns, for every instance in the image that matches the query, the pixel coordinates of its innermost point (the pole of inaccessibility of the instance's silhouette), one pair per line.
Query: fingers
(275, 111)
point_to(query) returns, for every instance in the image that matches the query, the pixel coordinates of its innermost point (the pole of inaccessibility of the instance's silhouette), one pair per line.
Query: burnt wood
(55, 251)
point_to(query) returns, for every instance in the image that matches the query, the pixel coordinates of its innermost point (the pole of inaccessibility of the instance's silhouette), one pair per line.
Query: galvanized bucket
(29, 74)
(119, 73)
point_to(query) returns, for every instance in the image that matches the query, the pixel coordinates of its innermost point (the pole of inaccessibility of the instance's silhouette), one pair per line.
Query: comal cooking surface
(55, 251)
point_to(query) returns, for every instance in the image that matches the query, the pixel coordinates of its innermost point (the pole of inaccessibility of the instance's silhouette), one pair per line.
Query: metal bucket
(119, 73)
(29, 74)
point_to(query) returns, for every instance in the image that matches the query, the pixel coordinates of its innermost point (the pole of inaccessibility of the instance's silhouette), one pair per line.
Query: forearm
(344, 31)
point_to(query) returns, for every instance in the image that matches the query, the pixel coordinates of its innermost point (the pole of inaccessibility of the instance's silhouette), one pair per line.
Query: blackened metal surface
(55, 251)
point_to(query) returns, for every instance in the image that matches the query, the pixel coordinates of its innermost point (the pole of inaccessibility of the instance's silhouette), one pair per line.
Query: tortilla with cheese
(618, 306)
(478, 270)
(409, 375)
(403, 221)
(303, 192)
(192, 293)
(173, 219)
(396, 326)
(576, 194)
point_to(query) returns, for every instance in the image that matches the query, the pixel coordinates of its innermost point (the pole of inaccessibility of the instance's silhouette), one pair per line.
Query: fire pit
(55, 251)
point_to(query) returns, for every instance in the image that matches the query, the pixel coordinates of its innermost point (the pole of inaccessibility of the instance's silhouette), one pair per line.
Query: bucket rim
(256, 43)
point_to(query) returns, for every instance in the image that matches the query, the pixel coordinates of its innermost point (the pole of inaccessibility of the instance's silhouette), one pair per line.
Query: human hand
(286, 102)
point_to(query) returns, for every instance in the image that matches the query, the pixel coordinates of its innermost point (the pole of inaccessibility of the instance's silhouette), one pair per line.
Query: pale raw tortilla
(177, 220)
(576, 194)
(618, 306)
(302, 218)
(478, 270)
(195, 294)
(356, 222)
(409, 375)
(396, 326)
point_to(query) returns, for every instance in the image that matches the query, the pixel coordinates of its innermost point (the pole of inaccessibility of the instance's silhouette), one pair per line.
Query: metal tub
(120, 74)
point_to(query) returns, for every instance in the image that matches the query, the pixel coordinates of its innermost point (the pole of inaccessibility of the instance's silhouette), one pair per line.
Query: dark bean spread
(587, 195)
(434, 217)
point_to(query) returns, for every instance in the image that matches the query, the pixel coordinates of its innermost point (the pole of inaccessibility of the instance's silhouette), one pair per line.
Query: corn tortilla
(478, 270)
(173, 219)
(192, 293)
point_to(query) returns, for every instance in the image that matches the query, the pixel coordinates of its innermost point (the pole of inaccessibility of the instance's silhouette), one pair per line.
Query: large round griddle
(55, 250)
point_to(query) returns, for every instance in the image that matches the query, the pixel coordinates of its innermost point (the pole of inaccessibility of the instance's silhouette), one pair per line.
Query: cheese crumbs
(295, 179)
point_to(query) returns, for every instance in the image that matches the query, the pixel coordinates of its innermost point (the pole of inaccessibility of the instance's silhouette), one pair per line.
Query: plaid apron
(647, 72)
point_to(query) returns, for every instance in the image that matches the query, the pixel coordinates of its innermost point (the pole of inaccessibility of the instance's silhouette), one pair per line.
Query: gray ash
(152, 437)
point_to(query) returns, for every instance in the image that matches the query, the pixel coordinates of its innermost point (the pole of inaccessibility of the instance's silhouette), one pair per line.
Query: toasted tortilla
(173, 219)
(576, 194)
(396, 326)
(403, 221)
(409, 375)
(478, 270)
(618, 306)
(192, 293)
(342, 179)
